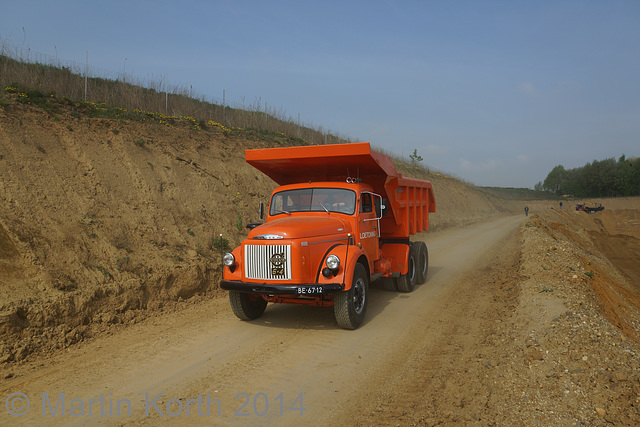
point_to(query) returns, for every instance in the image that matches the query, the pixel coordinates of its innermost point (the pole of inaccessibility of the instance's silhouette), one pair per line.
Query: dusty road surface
(293, 366)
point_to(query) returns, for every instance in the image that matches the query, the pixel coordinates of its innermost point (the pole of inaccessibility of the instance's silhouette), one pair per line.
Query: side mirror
(383, 208)
(261, 210)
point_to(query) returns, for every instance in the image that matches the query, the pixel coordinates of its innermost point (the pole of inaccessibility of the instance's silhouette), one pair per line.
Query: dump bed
(409, 200)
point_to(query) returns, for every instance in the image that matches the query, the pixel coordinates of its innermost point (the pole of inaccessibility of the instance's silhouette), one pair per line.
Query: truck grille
(267, 262)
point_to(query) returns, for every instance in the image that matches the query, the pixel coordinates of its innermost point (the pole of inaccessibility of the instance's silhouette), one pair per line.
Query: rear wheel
(407, 282)
(349, 307)
(422, 262)
(247, 306)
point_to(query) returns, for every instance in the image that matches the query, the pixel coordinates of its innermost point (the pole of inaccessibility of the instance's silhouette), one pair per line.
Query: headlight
(333, 262)
(228, 259)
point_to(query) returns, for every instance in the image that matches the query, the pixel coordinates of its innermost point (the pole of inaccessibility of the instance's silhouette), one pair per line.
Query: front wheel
(349, 307)
(246, 306)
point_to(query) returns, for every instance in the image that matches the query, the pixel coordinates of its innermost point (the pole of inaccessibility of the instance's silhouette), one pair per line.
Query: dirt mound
(610, 240)
(103, 219)
(616, 233)
(579, 317)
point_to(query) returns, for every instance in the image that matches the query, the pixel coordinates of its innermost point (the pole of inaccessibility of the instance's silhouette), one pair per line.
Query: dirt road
(293, 366)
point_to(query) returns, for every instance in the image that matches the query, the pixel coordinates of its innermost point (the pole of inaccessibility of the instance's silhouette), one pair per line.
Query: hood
(297, 227)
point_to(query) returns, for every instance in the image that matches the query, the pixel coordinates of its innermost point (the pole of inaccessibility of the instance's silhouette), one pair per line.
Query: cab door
(369, 226)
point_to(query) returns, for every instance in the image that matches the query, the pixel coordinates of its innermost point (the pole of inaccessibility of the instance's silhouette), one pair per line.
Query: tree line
(601, 178)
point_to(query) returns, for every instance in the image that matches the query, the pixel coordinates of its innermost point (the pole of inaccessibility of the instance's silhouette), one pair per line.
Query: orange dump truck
(341, 218)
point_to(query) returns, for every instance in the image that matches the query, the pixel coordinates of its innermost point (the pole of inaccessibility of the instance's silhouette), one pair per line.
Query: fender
(235, 272)
(344, 276)
(398, 252)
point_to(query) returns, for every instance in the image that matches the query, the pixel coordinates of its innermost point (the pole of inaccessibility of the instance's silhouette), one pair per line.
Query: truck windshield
(314, 200)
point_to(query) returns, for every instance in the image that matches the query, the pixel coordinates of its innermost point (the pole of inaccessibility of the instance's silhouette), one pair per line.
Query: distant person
(560, 205)
(526, 211)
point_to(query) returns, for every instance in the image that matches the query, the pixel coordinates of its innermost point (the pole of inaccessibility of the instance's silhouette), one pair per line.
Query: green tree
(575, 183)
(623, 177)
(415, 157)
(555, 179)
(634, 163)
(601, 178)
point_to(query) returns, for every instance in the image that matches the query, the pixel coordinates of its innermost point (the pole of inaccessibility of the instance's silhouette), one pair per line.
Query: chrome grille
(267, 262)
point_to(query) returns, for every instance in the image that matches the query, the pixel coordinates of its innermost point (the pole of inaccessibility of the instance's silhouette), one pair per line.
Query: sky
(496, 93)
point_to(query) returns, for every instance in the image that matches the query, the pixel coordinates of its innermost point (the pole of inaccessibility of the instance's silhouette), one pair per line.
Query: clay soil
(108, 297)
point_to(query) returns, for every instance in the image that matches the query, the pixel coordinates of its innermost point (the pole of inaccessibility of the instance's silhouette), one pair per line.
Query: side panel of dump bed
(411, 204)
(409, 200)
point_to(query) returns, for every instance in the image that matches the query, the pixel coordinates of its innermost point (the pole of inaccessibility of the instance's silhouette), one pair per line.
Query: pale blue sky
(494, 92)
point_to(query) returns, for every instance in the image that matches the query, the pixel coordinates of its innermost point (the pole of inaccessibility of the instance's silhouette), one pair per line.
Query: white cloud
(523, 158)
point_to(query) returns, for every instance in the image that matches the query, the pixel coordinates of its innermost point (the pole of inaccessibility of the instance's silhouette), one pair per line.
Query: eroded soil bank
(103, 221)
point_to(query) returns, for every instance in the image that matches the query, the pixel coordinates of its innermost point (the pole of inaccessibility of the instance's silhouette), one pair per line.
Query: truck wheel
(422, 262)
(407, 282)
(246, 306)
(350, 306)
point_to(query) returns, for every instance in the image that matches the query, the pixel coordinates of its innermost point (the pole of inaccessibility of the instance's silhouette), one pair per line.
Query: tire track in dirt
(442, 379)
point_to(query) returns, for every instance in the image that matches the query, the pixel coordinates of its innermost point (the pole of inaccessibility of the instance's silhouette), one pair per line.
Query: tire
(422, 262)
(407, 282)
(349, 307)
(389, 284)
(246, 306)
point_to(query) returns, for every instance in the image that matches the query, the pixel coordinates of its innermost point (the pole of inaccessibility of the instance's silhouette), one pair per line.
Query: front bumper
(297, 289)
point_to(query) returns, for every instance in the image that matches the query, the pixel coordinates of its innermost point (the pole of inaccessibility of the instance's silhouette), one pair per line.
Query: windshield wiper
(282, 211)
(324, 207)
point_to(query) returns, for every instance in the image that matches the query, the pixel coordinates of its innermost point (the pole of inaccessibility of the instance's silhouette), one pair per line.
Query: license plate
(308, 290)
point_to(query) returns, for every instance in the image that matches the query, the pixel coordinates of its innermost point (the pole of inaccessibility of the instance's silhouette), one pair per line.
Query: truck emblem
(277, 264)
